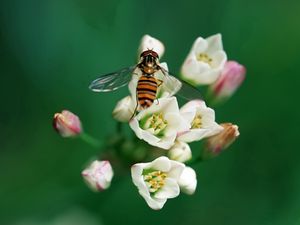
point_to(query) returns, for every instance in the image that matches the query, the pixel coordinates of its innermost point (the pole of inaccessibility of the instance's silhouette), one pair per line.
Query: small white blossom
(124, 110)
(188, 181)
(157, 181)
(201, 120)
(205, 61)
(98, 175)
(158, 125)
(151, 43)
(180, 152)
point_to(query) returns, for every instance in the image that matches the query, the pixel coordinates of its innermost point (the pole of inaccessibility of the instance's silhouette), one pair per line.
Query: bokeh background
(51, 50)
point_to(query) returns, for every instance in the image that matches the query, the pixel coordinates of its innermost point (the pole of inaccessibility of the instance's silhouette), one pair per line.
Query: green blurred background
(51, 50)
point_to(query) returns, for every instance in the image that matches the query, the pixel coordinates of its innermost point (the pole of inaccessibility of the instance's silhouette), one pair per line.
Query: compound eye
(154, 54)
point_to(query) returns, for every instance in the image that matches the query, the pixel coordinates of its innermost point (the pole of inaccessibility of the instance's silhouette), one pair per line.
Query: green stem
(90, 140)
(119, 127)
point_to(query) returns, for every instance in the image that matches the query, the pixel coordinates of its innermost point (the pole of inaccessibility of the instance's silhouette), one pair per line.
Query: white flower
(180, 152)
(157, 181)
(124, 109)
(151, 43)
(98, 175)
(205, 61)
(188, 181)
(158, 125)
(201, 120)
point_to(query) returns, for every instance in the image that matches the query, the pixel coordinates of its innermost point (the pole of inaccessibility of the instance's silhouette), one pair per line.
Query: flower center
(203, 57)
(197, 122)
(155, 124)
(155, 180)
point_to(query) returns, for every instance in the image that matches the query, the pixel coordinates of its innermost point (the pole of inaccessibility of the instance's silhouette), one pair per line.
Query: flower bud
(221, 141)
(124, 109)
(188, 181)
(180, 152)
(231, 78)
(67, 124)
(98, 175)
(151, 43)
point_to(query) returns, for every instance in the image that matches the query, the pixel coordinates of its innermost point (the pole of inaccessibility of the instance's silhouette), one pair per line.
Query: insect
(147, 84)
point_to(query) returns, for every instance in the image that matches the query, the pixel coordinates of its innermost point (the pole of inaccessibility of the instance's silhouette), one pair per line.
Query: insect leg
(135, 109)
(159, 82)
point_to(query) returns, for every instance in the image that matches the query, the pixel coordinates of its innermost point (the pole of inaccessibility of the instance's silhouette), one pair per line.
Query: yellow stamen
(155, 180)
(156, 123)
(204, 58)
(197, 122)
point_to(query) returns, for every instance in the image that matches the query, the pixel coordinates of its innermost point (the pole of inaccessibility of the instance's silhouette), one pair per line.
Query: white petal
(188, 181)
(154, 203)
(124, 109)
(149, 137)
(176, 123)
(137, 177)
(162, 163)
(176, 170)
(134, 125)
(209, 76)
(192, 105)
(200, 45)
(151, 43)
(188, 117)
(194, 69)
(166, 142)
(198, 134)
(219, 59)
(214, 43)
(164, 105)
(169, 190)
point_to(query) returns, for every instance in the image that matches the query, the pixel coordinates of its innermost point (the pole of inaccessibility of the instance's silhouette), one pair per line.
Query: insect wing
(181, 88)
(112, 81)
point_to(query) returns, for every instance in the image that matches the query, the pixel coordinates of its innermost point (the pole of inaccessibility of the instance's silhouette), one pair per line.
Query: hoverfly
(148, 84)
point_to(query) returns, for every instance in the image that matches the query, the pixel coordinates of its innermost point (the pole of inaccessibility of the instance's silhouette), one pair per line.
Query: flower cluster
(168, 127)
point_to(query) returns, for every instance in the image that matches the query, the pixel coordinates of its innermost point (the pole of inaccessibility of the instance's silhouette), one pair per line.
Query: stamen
(204, 58)
(197, 122)
(155, 124)
(155, 180)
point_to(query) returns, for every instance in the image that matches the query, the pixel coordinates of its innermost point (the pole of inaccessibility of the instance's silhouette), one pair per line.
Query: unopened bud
(181, 152)
(67, 124)
(221, 141)
(231, 78)
(124, 110)
(188, 181)
(98, 175)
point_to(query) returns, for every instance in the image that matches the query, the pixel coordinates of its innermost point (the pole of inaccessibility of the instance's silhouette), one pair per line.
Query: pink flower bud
(98, 175)
(67, 124)
(230, 79)
(221, 141)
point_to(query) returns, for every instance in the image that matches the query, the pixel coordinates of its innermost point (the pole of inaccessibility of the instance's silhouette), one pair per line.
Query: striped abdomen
(146, 91)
